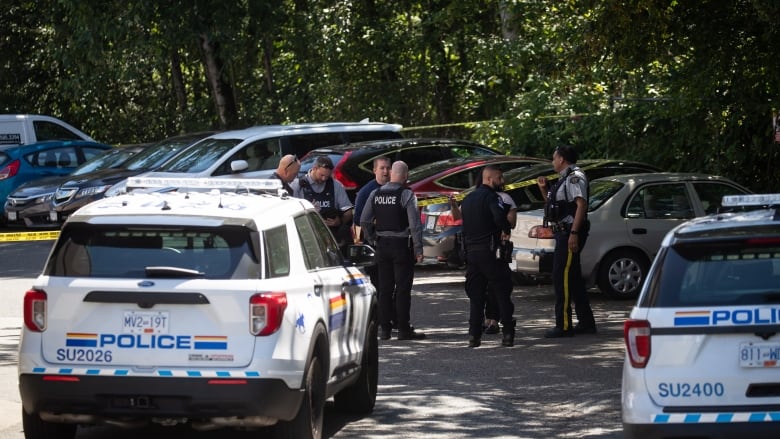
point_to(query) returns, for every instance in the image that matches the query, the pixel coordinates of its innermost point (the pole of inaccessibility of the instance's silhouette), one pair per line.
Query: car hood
(39, 186)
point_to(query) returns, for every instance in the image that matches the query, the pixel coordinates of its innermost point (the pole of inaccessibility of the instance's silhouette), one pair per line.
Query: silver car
(629, 216)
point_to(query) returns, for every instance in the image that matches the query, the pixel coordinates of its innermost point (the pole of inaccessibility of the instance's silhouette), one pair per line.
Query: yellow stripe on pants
(566, 292)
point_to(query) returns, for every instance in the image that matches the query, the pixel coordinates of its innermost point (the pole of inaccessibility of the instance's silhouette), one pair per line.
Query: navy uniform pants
(569, 285)
(395, 270)
(482, 269)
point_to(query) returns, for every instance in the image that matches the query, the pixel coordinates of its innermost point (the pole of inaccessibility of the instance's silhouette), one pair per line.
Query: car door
(654, 209)
(332, 285)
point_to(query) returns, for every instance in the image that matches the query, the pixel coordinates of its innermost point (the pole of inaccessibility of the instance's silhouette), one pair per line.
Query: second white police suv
(224, 303)
(703, 341)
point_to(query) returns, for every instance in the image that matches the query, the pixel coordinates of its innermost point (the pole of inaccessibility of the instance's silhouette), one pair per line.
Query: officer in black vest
(566, 211)
(391, 220)
(485, 228)
(329, 197)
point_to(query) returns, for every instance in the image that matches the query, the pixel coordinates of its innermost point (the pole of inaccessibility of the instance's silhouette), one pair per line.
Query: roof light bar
(751, 200)
(206, 183)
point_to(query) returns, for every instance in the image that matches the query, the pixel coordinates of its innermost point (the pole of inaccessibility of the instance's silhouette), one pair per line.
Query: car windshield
(109, 159)
(600, 192)
(211, 253)
(719, 273)
(200, 156)
(154, 156)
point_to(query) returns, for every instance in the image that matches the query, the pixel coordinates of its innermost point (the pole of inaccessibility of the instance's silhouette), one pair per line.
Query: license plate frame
(759, 355)
(146, 322)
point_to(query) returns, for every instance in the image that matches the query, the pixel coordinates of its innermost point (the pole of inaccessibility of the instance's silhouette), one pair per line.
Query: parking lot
(435, 388)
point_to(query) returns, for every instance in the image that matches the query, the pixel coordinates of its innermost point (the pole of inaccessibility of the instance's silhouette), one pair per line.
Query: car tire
(308, 422)
(360, 397)
(622, 274)
(36, 428)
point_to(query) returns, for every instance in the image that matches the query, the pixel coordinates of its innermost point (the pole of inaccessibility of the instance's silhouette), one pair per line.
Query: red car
(452, 176)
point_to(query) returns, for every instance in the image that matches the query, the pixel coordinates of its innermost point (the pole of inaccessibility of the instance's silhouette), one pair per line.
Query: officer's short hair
(567, 152)
(323, 161)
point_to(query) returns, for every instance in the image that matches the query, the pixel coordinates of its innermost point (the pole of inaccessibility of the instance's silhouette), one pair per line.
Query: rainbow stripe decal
(338, 312)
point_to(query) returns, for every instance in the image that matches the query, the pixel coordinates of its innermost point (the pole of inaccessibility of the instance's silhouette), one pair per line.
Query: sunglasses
(292, 162)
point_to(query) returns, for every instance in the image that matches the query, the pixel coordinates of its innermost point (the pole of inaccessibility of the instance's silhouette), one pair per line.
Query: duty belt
(560, 227)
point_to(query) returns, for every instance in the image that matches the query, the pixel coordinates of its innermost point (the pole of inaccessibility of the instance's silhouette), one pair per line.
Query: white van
(22, 129)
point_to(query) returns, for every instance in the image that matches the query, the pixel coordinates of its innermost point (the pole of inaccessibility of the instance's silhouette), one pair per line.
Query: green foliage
(687, 86)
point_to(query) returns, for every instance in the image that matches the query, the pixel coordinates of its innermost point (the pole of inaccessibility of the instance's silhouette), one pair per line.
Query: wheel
(622, 273)
(36, 428)
(307, 424)
(360, 397)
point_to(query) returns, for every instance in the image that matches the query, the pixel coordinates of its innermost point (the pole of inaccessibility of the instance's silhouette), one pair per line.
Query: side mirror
(361, 255)
(239, 165)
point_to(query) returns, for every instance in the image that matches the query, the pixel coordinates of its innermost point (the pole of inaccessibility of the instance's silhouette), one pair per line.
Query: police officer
(329, 197)
(286, 172)
(391, 220)
(485, 228)
(566, 210)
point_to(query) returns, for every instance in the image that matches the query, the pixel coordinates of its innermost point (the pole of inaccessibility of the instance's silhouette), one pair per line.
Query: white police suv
(224, 306)
(703, 341)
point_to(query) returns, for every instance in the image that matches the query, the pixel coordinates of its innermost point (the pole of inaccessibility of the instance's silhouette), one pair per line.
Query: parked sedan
(354, 161)
(28, 205)
(440, 229)
(22, 163)
(81, 190)
(629, 216)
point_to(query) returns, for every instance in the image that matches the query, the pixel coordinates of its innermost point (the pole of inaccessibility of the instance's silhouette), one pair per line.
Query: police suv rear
(226, 308)
(703, 341)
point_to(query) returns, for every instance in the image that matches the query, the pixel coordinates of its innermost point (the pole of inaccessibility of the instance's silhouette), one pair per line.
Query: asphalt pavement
(434, 388)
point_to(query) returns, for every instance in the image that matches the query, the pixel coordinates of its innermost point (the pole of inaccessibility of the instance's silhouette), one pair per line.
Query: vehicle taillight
(265, 312)
(446, 220)
(541, 232)
(35, 310)
(9, 170)
(338, 174)
(637, 336)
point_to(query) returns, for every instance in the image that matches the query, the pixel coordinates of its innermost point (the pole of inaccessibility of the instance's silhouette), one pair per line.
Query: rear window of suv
(161, 252)
(718, 273)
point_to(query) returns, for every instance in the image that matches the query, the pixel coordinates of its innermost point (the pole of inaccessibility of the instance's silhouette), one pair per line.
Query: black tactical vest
(389, 213)
(325, 200)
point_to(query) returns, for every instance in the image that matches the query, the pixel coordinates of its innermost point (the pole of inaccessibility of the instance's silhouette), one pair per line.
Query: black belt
(560, 227)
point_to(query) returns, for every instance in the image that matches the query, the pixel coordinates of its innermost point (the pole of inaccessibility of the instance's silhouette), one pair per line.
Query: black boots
(508, 337)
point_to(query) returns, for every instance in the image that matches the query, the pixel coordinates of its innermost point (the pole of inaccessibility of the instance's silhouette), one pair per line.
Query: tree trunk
(177, 78)
(221, 90)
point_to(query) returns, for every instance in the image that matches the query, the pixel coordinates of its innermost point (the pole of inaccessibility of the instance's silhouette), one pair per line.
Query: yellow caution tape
(29, 236)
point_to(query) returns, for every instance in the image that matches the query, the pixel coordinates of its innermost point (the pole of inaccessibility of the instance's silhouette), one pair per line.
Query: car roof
(324, 127)
(464, 162)
(381, 145)
(543, 168)
(234, 205)
(47, 144)
(764, 221)
(651, 177)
